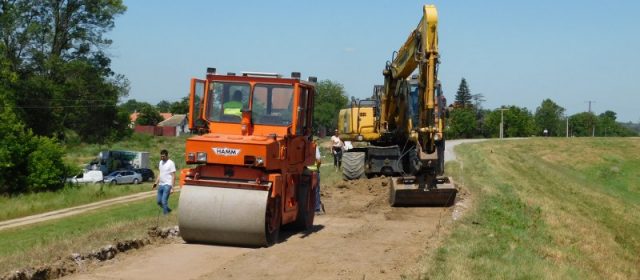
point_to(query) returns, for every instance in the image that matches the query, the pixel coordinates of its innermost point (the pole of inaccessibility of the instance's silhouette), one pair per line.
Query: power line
(75, 99)
(62, 106)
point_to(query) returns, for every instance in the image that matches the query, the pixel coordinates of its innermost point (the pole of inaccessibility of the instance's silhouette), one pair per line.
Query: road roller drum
(223, 215)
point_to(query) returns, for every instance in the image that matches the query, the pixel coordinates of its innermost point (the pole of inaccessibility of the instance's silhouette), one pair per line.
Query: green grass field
(44, 242)
(81, 154)
(545, 209)
(29, 204)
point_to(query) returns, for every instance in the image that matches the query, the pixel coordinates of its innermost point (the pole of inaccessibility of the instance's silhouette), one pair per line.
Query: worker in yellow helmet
(234, 106)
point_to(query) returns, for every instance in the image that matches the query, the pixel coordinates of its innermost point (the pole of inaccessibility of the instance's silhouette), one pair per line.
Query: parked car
(147, 174)
(123, 177)
(91, 176)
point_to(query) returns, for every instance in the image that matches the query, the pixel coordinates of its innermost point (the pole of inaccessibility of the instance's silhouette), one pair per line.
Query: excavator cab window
(272, 104)
(227, 101)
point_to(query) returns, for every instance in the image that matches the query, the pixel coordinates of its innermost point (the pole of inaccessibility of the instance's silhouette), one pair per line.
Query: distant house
(172, 125)
(177, 122)
(134, 116)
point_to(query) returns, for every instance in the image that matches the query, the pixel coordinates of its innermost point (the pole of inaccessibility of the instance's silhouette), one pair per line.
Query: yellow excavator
(403, 124)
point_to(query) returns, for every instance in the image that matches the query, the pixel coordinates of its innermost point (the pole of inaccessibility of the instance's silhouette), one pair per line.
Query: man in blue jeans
(165, 181)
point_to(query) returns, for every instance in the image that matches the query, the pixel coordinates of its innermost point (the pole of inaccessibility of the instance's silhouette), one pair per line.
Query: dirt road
(360, 237)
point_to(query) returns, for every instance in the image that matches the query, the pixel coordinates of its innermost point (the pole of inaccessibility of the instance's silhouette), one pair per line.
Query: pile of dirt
(353, 198)
(77, 262)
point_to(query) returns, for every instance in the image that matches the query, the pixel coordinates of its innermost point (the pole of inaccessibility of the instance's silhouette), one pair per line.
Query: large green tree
(149, 115)
(607, 125)
(181, 106)
(56, 48)
(582, 124)
(461, 123)
(549, 116)
(463, 95)
(329, 99)
(518, 122)
(163, 106)
(133, 105)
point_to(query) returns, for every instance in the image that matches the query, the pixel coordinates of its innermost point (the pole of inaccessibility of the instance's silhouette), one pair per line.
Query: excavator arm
(420, 51)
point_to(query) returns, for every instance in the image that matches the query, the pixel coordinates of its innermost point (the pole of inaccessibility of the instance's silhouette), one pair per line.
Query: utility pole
(567, 130)
(589, 101)
(593, 125)
(502, 122)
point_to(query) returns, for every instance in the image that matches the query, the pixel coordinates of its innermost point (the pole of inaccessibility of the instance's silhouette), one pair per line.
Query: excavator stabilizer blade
(402, 194)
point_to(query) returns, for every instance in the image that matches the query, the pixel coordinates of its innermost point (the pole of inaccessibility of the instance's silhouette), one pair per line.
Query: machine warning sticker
(226, 151)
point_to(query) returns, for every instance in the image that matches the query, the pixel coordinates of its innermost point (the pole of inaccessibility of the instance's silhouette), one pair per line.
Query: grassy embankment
(545, 209)
(29, 204)
(47, 241)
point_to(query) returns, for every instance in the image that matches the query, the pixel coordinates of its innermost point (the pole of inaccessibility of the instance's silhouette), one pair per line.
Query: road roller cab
(249, 174)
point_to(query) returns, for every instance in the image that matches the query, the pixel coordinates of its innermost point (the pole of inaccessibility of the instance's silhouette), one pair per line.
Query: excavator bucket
(406, 193)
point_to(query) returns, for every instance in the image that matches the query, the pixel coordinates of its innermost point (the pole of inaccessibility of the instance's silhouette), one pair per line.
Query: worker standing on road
(316, 167)
(165, 181)
(336, 147)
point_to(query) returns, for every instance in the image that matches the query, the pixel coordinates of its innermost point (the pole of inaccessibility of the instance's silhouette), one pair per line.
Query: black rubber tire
(135, 181)
(353, 165)
(306, 207)
(113, 182)
(273, 233)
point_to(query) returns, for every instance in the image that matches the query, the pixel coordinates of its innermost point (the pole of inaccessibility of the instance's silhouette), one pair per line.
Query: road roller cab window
(227, 101)
(272, 104)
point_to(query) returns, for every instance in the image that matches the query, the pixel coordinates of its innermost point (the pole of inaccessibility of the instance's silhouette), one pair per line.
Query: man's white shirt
(166, 168)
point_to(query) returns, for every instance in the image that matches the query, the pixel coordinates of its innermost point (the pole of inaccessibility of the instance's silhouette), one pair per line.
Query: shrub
(45, 168)
(28, 163)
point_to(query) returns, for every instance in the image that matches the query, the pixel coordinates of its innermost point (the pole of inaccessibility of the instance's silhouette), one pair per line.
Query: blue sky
(513, 52)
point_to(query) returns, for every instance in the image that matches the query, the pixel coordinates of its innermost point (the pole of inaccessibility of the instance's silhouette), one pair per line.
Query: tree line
(467, 119)
(150, 114)
(56, 84)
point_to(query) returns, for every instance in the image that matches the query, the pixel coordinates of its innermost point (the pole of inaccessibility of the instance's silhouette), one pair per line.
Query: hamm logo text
(226, 151)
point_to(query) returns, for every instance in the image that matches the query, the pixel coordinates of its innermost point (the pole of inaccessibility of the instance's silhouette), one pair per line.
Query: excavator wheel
(353, 165)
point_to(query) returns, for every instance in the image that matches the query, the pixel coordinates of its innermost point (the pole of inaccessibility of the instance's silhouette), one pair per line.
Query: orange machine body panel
(266, 147)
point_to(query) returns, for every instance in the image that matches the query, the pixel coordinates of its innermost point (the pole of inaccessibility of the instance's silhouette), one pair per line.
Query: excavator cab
(249, 176)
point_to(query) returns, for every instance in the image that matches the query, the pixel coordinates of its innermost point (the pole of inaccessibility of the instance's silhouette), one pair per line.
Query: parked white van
(91, 176)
